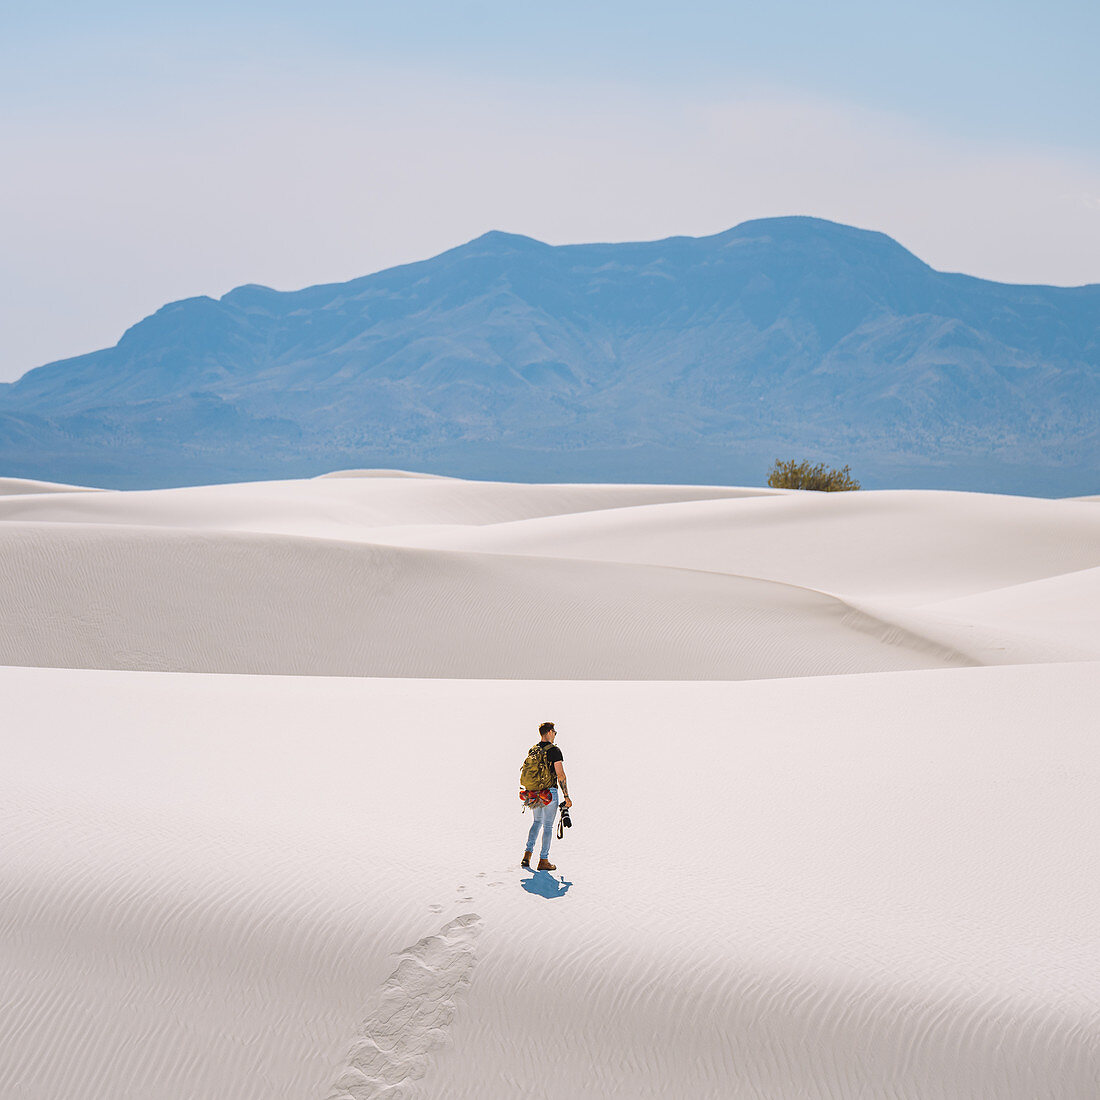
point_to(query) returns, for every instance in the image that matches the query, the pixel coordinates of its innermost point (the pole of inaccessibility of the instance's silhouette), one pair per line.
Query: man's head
(547, 731)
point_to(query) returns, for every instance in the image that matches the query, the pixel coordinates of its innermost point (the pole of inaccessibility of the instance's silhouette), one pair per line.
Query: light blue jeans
(544, 818)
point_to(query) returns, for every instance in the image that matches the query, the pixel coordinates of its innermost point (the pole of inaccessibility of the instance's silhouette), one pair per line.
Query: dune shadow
(544, 885)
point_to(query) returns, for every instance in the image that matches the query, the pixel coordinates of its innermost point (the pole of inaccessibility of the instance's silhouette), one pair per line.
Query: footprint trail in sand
(411, 1016)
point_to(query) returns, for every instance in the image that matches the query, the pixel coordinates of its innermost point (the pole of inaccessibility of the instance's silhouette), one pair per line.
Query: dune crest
(95, 596)
(383, 473)
(18, 486)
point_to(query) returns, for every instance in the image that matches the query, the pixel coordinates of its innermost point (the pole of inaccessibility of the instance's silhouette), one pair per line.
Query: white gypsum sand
(782, 881)
(841, 881)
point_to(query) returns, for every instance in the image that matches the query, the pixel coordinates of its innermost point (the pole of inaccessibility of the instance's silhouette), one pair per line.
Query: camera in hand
(565, 820)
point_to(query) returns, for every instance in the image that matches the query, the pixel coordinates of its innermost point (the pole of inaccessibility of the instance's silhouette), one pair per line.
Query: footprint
(435, 908)
(410, 1015)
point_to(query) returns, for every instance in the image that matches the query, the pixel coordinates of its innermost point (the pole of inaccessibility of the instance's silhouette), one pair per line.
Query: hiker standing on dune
(540, 777)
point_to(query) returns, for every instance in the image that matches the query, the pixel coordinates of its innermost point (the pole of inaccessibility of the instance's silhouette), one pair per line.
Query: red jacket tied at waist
(536, 798)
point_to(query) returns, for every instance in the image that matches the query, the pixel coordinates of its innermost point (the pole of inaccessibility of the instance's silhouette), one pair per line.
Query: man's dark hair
(545, 728)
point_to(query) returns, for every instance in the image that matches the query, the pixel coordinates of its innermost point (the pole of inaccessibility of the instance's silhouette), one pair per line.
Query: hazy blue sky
(159, 150)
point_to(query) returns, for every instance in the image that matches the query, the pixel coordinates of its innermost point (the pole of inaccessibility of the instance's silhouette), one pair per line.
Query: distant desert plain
(834, 760)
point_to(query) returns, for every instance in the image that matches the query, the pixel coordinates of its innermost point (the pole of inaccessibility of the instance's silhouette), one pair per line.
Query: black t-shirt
(553, 753)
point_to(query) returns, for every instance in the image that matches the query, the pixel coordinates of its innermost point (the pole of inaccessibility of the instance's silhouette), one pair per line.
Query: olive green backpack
(535, 775)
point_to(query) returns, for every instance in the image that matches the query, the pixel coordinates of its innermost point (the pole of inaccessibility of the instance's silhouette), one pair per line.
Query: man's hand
(568, 802)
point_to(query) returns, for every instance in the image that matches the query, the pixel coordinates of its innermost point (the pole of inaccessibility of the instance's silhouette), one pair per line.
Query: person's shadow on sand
(545, 885)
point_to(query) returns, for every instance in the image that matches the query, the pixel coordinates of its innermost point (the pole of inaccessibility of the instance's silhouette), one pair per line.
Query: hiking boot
(546, 865)
(526, 861)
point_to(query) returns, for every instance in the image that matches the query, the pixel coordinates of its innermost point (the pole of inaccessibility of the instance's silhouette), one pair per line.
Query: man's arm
(559, 771)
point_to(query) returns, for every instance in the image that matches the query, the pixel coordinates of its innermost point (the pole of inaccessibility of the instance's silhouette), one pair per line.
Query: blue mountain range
(686, 359)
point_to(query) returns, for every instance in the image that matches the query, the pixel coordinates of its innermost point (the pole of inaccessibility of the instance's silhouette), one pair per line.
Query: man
(544, 815)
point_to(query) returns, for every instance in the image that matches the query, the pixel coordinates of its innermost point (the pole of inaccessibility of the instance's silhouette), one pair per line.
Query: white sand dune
(783, 882)
(908, 547)
(493, 579)
(277, 888)
(1059, 616)
(385, 473)
(95, 596)
(346, 507)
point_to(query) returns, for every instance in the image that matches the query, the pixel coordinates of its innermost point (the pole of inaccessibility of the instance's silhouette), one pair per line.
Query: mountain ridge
(785, 333)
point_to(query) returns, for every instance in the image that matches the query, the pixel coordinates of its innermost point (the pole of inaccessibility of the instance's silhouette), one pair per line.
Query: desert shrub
(801, 475)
